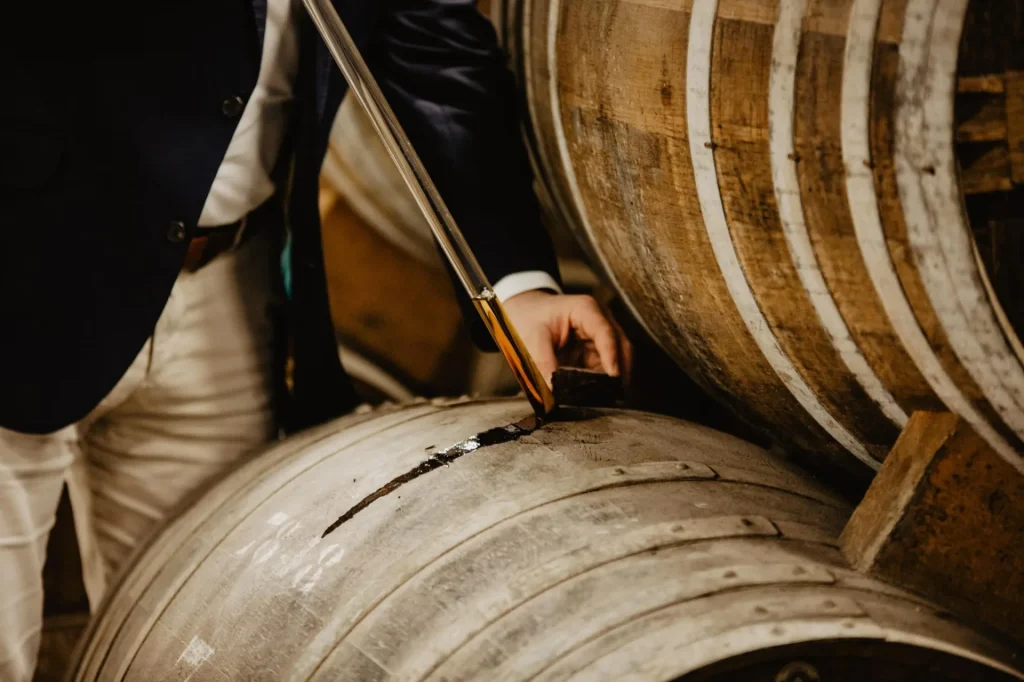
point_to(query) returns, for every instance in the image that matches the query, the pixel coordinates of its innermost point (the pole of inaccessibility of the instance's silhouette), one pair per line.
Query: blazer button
(232, 107)
(176, 232)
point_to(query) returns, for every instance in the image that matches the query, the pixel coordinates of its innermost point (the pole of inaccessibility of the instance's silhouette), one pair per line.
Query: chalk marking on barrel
(926, 176)
(782, 103)
(195, 654)
(321, 448)
(558, 131)
(698, 104)
(867, 221)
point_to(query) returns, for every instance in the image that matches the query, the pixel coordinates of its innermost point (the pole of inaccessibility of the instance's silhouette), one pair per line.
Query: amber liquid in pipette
(519, 360)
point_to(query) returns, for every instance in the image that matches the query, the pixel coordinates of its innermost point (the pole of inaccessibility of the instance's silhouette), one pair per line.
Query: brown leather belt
(210, 242)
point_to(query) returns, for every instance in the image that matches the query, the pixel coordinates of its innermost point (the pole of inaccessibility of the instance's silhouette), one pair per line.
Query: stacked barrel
(451, 542)
(788, 193)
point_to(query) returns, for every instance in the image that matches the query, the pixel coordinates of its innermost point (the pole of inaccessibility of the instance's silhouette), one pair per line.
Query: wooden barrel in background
(391, 299)
(390, 308)
(614, 545)
(358, 168)
(789, 194)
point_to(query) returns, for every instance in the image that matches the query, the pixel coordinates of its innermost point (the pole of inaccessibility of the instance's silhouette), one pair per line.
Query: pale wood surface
(617, 545)
(945, 518)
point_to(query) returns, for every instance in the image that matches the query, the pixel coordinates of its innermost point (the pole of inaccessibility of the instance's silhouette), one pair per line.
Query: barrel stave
(153, 577)
(899, 252)
(668, 643)
(513, 559)
(733, 166)
(744, 105)
(445, 598)
(818, 116)
(990, 137)
(622, 107)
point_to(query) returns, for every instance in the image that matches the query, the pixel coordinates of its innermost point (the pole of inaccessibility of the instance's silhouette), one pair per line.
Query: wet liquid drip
(519, 360)
(501, 434)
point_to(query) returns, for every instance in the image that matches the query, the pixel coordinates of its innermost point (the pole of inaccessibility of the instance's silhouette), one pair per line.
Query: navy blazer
(111, 135)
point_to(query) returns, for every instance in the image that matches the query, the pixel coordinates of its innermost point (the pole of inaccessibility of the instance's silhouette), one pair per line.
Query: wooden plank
(981, 118)
(1015, 123)
(991, 83)
(945, 518)
(985, 169)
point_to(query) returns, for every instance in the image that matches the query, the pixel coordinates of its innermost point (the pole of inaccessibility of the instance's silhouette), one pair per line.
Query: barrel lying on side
(788, 194)
(613, 546)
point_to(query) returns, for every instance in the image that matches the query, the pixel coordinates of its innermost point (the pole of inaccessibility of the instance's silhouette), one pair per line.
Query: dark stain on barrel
(495, 436)
(666, 83)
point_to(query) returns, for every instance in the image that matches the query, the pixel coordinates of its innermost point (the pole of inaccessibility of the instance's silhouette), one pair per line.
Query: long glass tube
(442, 224)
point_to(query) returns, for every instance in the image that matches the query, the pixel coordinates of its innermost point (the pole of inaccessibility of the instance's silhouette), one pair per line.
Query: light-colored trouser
(195, 400)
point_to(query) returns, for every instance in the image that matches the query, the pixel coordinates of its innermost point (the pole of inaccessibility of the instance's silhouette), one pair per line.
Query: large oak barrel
(443, 542)
(816, 207)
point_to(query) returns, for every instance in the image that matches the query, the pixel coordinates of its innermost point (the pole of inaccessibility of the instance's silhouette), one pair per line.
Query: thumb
(589, 322)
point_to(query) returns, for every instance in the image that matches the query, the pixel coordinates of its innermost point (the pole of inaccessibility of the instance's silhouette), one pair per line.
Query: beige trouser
(195, 399)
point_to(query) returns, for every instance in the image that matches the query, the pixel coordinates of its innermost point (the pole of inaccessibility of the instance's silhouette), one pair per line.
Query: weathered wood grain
(944, 518)
(619, 529)
(928, 188)
(1015, 123)
(776, 189)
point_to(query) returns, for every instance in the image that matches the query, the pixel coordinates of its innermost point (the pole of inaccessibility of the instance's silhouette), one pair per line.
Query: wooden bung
(814, 206)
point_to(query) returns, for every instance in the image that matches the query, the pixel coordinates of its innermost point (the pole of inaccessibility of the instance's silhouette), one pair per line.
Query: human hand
(569, 331)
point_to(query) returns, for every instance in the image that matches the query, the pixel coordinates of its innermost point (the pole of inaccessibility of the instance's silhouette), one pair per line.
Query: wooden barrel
(358, 167)
(789, 194)
(443, 542)
(372, 383)
(392, 309)
(391, 300)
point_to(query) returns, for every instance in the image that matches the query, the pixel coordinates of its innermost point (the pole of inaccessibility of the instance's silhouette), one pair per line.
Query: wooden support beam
(945, 518)
(1015, 123)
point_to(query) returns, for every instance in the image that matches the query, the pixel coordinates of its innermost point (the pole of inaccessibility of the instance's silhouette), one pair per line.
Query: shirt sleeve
(444, 74)
(521, 282)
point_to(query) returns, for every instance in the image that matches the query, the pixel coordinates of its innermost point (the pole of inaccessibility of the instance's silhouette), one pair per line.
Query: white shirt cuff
(519, 282)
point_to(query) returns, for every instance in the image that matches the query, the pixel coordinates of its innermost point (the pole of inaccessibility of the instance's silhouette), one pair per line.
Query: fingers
(542, 349)
(589, 322)
(625, 351)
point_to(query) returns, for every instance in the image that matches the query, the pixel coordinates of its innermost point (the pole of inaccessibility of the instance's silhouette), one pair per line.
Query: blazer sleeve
(441, 69)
